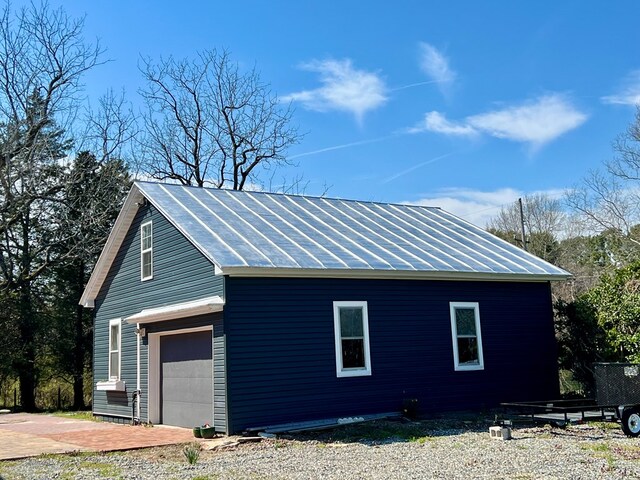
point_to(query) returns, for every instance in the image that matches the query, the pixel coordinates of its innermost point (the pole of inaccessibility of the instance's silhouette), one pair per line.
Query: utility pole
(524, 240)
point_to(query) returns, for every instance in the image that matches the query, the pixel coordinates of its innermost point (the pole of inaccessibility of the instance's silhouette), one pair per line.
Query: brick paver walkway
(25, 435)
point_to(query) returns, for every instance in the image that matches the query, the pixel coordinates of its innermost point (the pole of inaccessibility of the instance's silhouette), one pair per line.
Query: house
(242, 309)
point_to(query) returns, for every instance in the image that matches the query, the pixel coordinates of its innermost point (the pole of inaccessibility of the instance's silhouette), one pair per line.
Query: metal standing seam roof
(239, 230)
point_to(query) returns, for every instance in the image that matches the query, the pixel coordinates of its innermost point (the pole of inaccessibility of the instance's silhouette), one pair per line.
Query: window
(146, 251)
(114, 349)
(351, 324)
(467, 340)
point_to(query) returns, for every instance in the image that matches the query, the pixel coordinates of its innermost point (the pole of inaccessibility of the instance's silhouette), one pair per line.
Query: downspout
(136, 420)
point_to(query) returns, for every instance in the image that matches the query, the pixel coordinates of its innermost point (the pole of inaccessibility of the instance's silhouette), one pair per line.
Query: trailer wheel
(631, 421)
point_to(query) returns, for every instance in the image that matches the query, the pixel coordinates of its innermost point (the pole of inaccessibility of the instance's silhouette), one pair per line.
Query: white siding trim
(153, 385)
(351, 372)
(178, 310)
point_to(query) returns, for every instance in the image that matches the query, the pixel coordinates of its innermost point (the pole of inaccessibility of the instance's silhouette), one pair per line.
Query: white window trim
(351, 372)
(118, 322)
(143, 251)
(454, 335)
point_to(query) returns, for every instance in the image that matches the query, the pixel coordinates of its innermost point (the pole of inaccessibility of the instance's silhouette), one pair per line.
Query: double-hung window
(351, 326)
(146, 251)
(467, 339)
(114, 349)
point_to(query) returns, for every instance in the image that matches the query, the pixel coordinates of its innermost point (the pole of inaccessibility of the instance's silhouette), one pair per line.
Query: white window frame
(351, 372)
(118, 322)
(454, 336)
(146, 250)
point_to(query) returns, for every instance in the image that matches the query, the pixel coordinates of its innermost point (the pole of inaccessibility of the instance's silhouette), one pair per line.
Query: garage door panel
(189, 389)
(189, 369)
(187, 379)
(182, 414)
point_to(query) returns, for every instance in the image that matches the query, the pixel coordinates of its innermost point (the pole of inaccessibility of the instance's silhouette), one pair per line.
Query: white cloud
(475, 206)
(436, 122)
(628, 93)
(535, 123)
(435, 64)
(344, 88)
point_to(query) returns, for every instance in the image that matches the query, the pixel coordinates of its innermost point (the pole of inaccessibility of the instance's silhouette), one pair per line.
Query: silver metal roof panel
(255, 230)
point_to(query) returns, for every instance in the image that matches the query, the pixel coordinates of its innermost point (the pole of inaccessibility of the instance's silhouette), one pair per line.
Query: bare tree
(543, 218)
(110, 129)
(208, 123)
(42, 59)
(609, 199)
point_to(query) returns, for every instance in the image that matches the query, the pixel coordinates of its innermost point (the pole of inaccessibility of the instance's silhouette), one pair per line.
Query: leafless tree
(609, 199)
(42, 59)
(543, 218)
(110, 129)
(208, 123)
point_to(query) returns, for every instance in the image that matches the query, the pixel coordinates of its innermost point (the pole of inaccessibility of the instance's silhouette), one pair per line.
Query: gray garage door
(186, 378)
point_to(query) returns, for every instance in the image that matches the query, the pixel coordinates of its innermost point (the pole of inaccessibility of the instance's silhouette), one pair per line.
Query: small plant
(420, 440)
(192, 453)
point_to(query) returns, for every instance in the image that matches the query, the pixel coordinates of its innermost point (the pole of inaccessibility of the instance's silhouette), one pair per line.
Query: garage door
(186, 376)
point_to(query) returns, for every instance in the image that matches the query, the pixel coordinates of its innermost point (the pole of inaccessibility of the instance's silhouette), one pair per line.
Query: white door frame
(153, 382)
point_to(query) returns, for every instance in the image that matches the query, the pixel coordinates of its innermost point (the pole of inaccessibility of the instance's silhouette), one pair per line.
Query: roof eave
(391, 274)
(111, 247)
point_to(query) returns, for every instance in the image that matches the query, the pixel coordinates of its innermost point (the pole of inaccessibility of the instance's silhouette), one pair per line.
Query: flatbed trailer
(565, 412)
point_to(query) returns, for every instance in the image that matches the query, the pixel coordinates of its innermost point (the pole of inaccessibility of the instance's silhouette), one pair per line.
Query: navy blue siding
(281, 354)
(180, 273)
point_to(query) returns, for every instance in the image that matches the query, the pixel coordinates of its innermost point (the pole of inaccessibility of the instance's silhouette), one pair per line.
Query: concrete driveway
(27, 435)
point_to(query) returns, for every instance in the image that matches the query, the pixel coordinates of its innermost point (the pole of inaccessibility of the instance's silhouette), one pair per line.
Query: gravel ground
(383, 450)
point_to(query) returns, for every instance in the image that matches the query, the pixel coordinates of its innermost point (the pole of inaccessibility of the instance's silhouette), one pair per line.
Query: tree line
(593, 231)
(66, 166)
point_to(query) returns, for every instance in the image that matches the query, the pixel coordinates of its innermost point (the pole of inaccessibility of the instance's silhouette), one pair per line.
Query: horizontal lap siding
(281, 354)
(180, 273)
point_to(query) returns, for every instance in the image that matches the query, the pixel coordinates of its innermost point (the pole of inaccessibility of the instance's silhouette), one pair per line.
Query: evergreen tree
(92, 201)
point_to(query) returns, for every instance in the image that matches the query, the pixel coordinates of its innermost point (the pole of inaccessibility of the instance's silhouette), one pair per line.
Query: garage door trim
(154, 367)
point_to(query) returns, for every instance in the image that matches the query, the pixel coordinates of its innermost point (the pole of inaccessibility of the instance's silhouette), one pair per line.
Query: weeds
(104, 470)
(191, 453)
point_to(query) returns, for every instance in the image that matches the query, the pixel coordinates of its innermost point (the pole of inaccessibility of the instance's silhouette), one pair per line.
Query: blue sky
(464, 105)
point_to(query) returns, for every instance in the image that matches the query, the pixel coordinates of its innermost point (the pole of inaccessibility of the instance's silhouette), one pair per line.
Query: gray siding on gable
(281, 355)
(180, 273)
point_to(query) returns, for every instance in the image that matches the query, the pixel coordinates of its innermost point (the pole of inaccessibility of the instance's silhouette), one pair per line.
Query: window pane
(115, 366)
(468, 351)
(465, 321)
(351, 322)
(146, 237)
(114, 337)
(353, 353)
(146, 265)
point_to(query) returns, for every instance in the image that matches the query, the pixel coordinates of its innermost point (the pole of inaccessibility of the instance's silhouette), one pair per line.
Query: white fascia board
(390, 274)
(111, 247)
(178, 310)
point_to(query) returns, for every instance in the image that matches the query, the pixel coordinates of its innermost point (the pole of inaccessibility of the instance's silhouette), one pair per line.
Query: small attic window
(146, 251)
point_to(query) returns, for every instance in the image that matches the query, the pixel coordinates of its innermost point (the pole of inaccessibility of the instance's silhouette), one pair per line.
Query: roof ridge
(295, 195)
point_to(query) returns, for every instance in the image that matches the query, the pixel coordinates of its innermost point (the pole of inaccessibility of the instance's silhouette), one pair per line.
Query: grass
(104, 470)
(606, 425)
(80, 415)
(603, 450)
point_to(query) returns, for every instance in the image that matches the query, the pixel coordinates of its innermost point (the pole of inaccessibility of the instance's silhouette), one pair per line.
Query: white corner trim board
(178, 310)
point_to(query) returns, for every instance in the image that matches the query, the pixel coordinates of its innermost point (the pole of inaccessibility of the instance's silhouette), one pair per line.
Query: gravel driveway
(383, 450)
